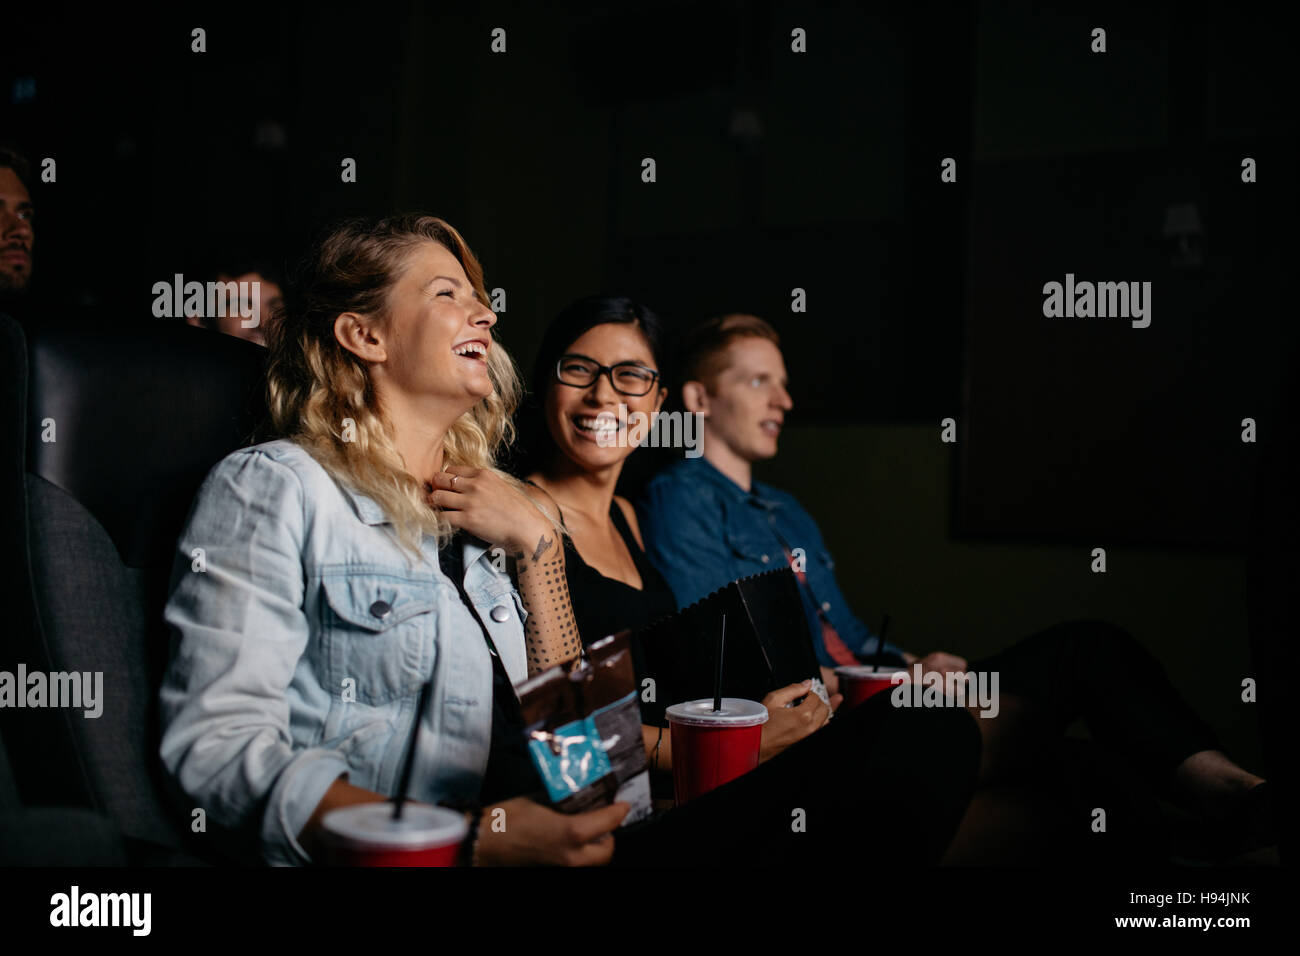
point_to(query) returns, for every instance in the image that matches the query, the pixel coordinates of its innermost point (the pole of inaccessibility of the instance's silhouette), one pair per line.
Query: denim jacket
(702, 530)
(301, 635)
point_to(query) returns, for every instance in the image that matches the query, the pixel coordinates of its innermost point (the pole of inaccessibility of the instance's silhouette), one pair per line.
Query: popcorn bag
(583, 727)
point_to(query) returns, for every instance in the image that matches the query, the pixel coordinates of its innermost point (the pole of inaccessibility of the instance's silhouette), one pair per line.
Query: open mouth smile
(474, 350)
(602, 427)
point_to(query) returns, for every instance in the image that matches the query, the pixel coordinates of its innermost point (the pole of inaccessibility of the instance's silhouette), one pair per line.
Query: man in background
(706, 521)
(237, 320)
(17, 234)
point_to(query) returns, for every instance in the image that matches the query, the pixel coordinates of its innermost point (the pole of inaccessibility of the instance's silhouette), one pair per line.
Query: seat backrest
(9, 801)
(122, 420)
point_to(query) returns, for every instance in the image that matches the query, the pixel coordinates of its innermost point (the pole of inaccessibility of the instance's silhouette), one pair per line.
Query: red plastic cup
(366, 834)
(861, 681)
(712, 748)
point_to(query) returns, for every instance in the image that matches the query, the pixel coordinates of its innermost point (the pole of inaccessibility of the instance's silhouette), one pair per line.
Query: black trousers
(1097, 671)
(876, 780)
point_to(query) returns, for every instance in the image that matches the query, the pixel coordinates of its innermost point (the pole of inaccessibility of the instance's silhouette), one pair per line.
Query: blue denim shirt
(702, 530)
(301, 635)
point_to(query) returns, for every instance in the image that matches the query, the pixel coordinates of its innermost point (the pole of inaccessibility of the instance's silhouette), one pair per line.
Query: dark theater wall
(1089, 430)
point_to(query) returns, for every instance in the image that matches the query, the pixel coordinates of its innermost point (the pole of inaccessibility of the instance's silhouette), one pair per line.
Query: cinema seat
(53, 836)
(110, 428)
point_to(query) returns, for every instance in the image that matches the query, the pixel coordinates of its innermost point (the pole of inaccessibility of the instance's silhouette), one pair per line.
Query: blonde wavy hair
(317, 389)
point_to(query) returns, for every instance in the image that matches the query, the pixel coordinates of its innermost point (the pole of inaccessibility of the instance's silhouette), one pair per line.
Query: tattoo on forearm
(543, 543)
(550, 631)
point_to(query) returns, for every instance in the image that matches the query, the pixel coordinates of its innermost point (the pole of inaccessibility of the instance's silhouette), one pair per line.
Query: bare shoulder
(630, 514)
(540, 496)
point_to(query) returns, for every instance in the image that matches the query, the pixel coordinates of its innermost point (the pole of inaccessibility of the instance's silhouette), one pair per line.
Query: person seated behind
(733, 374)
(17, 234)
(251, 298)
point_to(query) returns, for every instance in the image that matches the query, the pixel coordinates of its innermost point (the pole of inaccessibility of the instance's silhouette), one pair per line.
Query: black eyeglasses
(628, 378)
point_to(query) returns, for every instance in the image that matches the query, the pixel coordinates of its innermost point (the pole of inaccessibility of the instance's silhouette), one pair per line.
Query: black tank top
(604, 606)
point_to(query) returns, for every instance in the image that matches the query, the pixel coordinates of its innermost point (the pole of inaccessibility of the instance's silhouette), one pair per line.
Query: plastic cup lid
(866, 670)
(372, 824)
(736, 712)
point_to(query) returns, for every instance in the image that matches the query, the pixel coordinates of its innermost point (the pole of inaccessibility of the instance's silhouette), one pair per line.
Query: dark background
(775, 171)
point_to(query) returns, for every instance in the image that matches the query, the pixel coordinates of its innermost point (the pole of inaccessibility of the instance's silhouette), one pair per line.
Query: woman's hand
(481, 502)
(535, 835)
(788, 725)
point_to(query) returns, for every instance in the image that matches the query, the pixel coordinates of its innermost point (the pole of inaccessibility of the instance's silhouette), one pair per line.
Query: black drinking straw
(409, 765)
(717, 670)
(880, 643)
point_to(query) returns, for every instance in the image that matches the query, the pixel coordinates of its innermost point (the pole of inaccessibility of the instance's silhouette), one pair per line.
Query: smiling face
(438, 333)
(747, 400)
(586, 424)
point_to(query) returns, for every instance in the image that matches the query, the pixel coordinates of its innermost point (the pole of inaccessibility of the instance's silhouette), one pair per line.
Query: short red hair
(704, 351)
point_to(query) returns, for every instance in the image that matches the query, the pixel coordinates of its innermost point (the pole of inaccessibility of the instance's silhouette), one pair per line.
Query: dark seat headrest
(138, 412)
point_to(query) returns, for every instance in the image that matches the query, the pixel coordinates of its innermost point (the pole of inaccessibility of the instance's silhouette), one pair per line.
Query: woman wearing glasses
(596, 375)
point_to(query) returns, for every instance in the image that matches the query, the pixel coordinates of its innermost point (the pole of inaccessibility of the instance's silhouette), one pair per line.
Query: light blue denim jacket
(299, 650)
